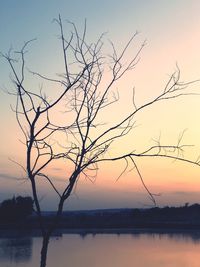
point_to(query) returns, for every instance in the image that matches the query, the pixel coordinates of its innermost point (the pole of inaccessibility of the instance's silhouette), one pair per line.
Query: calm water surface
(104, 250)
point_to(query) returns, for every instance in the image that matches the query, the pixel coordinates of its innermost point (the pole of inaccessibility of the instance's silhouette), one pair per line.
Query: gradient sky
(172, 31)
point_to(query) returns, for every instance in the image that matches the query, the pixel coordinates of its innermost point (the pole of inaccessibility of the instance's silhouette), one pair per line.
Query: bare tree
(85, 93)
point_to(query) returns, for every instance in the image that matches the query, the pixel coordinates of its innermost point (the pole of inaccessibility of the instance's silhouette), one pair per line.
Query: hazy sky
(172, 31)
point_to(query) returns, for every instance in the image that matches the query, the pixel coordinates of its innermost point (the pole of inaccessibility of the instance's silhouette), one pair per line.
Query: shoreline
(15, 233)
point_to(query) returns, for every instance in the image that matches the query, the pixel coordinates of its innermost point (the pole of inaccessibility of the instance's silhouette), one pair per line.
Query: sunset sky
(171, 29)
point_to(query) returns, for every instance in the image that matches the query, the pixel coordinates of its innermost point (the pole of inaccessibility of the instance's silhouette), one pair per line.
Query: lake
(105, 250)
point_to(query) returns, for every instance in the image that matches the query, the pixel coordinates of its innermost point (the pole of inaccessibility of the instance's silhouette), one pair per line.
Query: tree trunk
(47, 234)
(45, 243)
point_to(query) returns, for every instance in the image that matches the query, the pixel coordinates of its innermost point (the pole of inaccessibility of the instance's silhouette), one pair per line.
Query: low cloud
(181, 193)
(56, 169)
(9, 176)
(184, 193)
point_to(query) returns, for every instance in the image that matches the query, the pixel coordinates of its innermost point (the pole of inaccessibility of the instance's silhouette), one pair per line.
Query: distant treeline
(20, 210)
(167, 217)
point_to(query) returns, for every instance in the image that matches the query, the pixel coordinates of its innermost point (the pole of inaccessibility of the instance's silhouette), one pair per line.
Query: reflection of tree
(179, 236)
(192, 236)
(16, 249)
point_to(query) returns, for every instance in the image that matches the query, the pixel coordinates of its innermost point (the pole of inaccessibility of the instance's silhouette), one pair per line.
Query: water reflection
(16, 249)
(190, 236)
(139, 249)
(187, 236)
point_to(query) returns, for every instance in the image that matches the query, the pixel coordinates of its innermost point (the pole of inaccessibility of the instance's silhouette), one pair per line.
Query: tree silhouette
(86, 90)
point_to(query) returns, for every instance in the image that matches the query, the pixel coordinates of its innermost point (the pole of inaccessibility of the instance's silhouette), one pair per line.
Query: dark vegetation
(16, 209)
(185, 217)
(18, 212)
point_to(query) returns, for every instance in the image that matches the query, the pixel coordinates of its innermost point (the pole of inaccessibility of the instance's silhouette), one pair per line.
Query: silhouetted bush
(16, 209)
